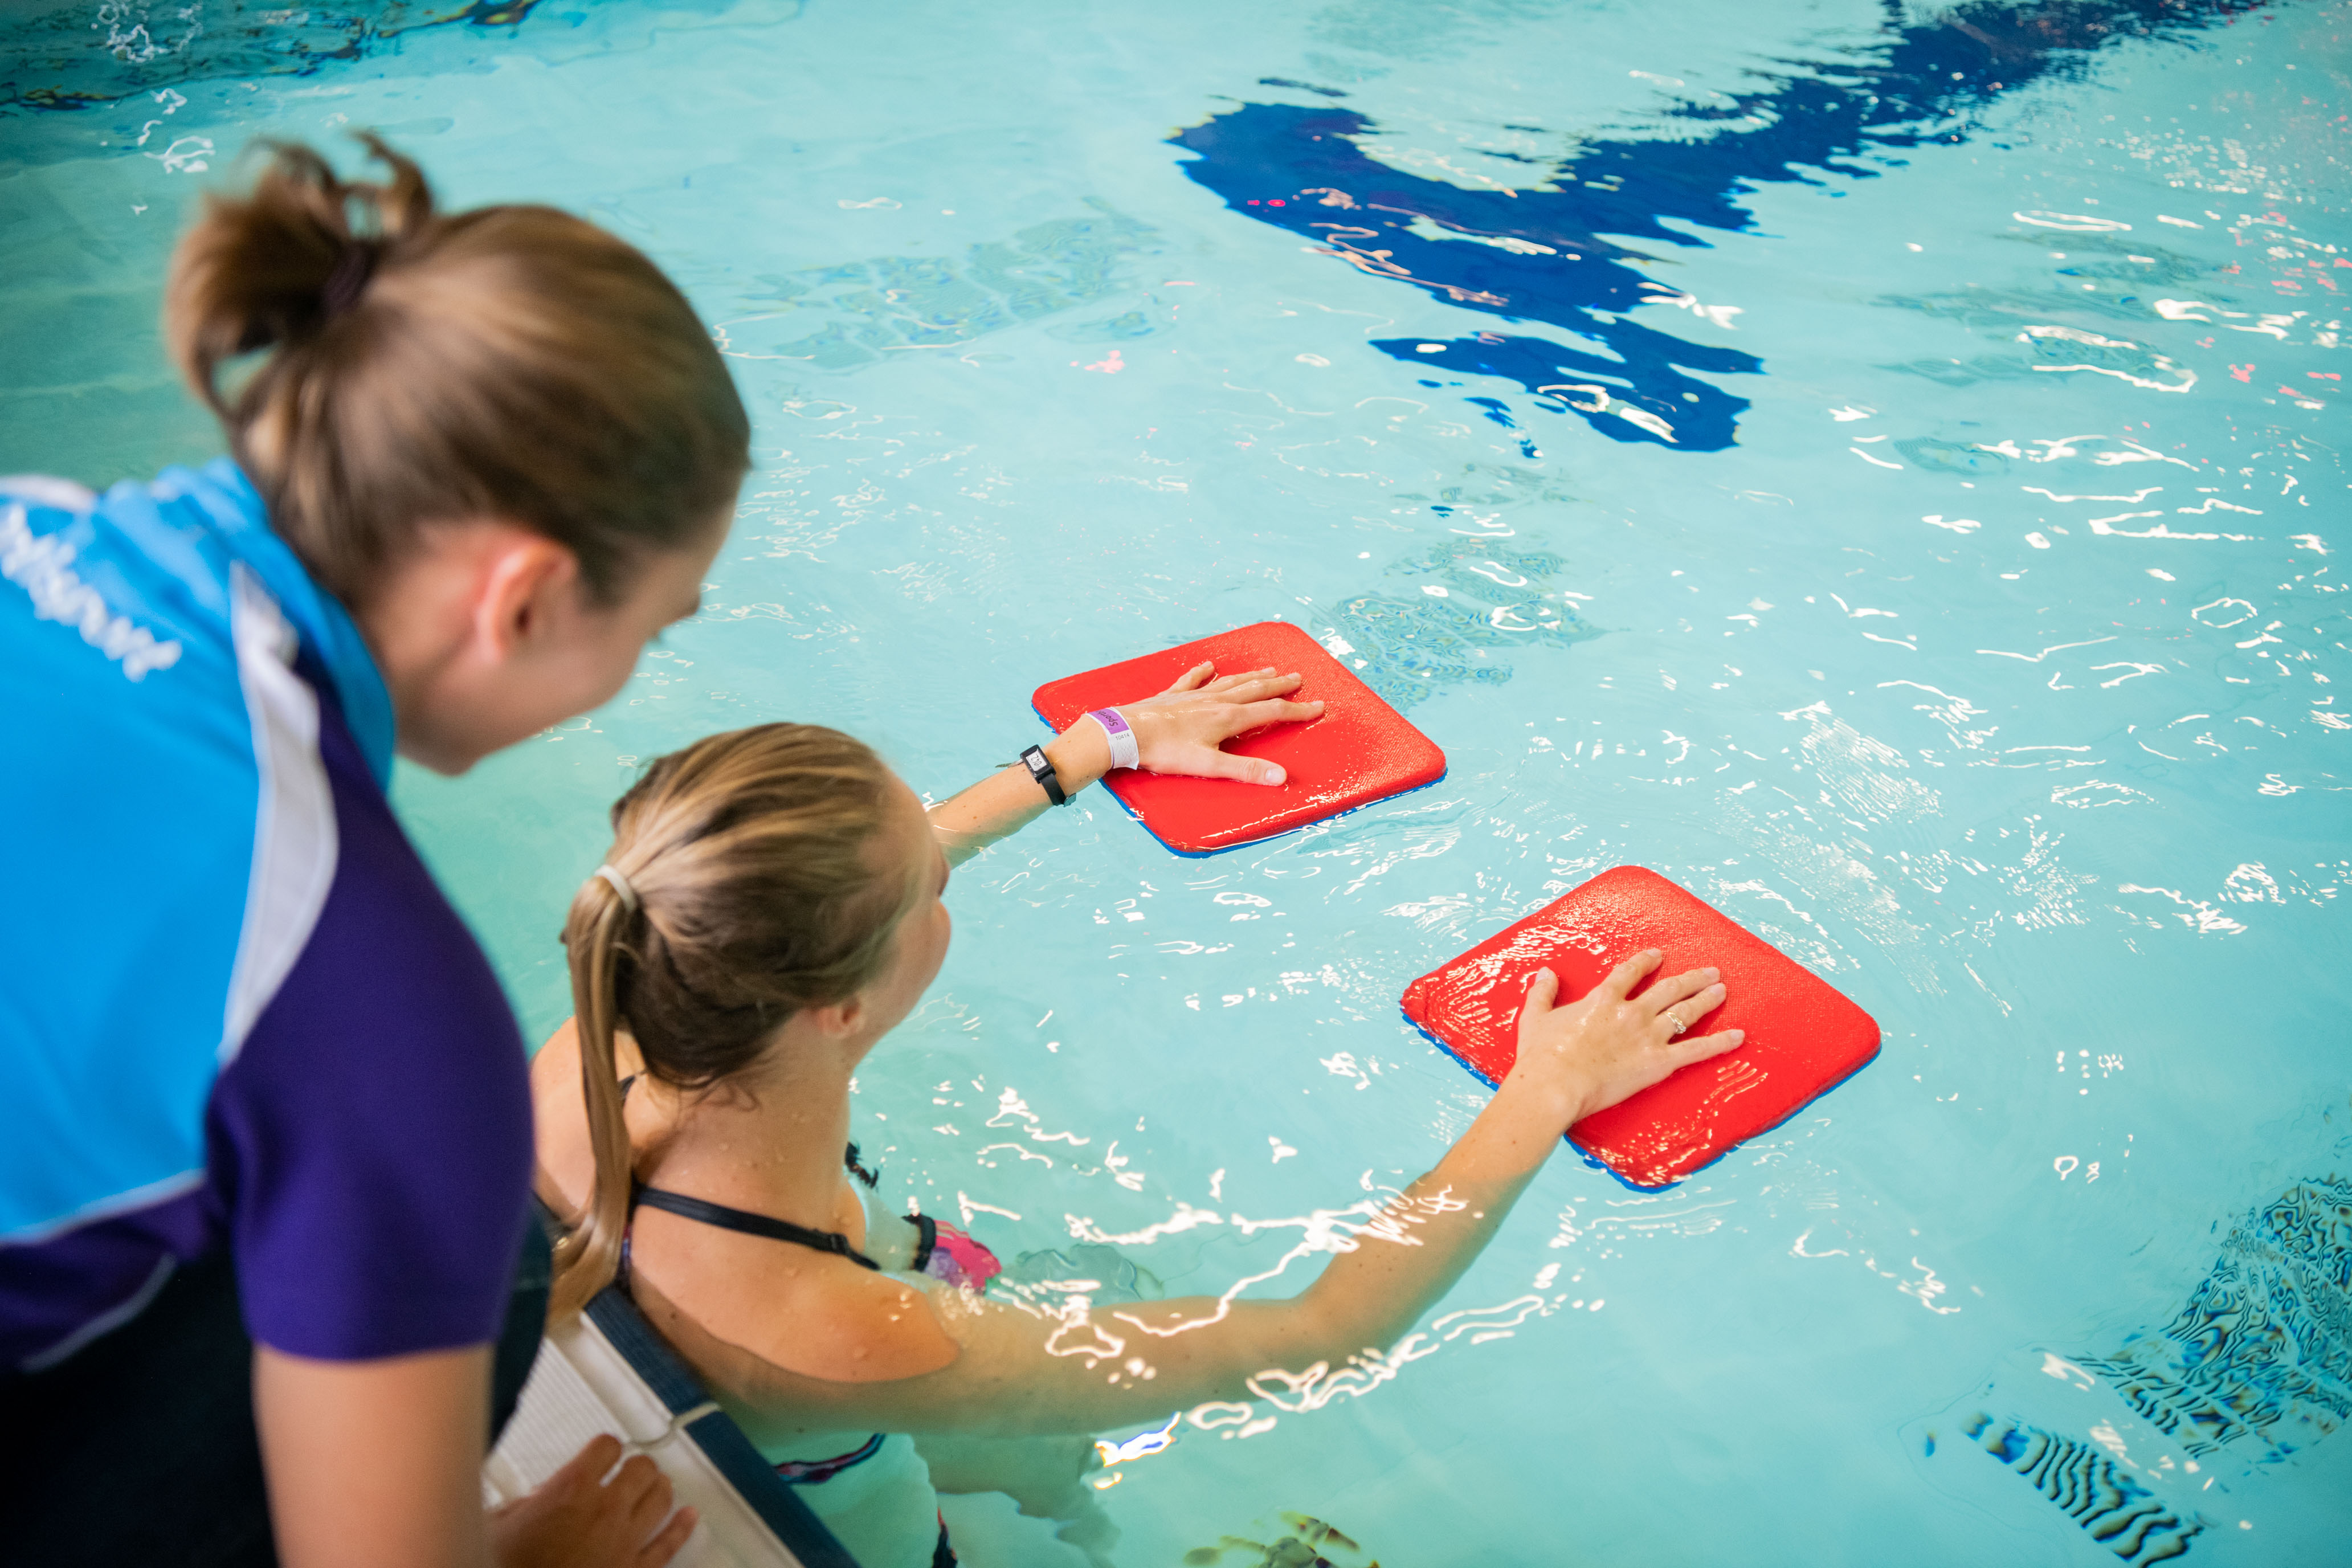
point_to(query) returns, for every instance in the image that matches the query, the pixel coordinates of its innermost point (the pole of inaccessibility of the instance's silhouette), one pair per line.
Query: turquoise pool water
(1926, 550)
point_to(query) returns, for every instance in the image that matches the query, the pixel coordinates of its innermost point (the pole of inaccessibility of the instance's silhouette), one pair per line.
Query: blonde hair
(513, 362)
(753, 860)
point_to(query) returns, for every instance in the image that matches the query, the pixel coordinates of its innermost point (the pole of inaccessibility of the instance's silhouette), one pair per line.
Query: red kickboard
(1803, 1036)
(1362, 750)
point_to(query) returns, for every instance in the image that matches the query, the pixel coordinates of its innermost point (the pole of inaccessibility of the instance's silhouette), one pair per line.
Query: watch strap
(1042, 769)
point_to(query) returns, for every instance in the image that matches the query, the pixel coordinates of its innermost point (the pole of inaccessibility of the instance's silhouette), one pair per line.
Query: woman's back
(759, 1302)
(814, 1314)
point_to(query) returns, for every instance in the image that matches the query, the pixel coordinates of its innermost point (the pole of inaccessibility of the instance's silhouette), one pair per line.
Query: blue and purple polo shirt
(235, 1011)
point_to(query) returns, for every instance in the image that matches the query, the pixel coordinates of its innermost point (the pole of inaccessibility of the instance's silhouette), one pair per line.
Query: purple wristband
(1123, 751)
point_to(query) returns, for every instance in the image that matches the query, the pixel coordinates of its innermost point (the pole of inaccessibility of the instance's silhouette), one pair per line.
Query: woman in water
(769, 909)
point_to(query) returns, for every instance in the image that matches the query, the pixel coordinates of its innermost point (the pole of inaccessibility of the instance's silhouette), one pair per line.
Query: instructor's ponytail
(513, 362)
(750, 877)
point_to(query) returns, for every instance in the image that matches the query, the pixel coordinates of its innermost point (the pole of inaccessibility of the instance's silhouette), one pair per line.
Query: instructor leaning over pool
(260, 1079)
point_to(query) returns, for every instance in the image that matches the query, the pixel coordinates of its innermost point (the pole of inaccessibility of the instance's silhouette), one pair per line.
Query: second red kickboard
(1803, 1035)
(1362, 750)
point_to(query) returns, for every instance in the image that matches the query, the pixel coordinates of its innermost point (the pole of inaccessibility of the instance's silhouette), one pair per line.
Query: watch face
(1040, 768)
(1803, 1035)
(1362, 750)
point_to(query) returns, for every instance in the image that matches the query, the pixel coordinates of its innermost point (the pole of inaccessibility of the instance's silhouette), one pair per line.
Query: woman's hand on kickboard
(1182, 729)
(1608, 1045)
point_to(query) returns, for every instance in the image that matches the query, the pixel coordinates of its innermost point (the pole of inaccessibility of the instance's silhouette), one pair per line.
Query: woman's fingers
(1692, 1008)
(1225, 683)
(1273, 710)
(1663, 1060)
(1192, 678)
(1676, 988)
(1628, 974)
(1684, 999)
(1699, 1047)
(1250, 686)
(1543, 991)
(1249, 769)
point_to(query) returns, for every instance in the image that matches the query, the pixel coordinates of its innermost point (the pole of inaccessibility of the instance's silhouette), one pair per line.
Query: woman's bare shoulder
(793, 1337)
(560, 1122)
(555, 1067)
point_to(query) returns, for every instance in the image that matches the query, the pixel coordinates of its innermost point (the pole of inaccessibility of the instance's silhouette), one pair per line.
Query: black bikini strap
(742, 1220)
(747, 1222)
(927, 1234)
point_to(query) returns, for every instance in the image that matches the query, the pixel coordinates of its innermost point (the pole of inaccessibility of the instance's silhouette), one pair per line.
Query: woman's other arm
(1178, 732)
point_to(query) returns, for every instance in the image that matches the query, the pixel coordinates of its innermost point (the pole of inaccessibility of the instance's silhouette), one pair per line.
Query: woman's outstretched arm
(1178, 732)
(966, 1364)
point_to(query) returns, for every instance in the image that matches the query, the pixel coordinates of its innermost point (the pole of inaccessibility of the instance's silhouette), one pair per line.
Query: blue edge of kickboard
(1609, 1171)
(1245, 844)
(721, 1441)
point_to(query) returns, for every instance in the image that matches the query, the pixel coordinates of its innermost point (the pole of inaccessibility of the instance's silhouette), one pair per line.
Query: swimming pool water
(1879, 466)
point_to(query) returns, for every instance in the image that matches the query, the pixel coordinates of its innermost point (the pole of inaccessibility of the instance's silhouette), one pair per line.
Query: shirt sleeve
(371, 1141)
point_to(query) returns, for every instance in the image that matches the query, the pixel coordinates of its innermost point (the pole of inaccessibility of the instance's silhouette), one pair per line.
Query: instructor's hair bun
(268, 268)
(511, 362)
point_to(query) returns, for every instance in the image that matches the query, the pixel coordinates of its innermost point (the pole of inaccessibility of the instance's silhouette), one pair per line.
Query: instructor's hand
(1182, 729)
(1608, 1045)
(581, 1519)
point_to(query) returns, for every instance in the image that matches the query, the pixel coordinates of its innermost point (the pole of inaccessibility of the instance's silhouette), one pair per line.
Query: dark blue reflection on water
(1539, 256)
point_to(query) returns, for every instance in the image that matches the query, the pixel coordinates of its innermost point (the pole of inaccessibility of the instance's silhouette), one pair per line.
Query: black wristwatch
(1042, 770)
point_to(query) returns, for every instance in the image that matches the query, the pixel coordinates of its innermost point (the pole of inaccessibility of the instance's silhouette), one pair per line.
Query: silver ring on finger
(1674, 1023)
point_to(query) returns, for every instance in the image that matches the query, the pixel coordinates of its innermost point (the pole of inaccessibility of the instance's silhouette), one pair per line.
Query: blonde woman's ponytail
(743, 885)
(587, 1259)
